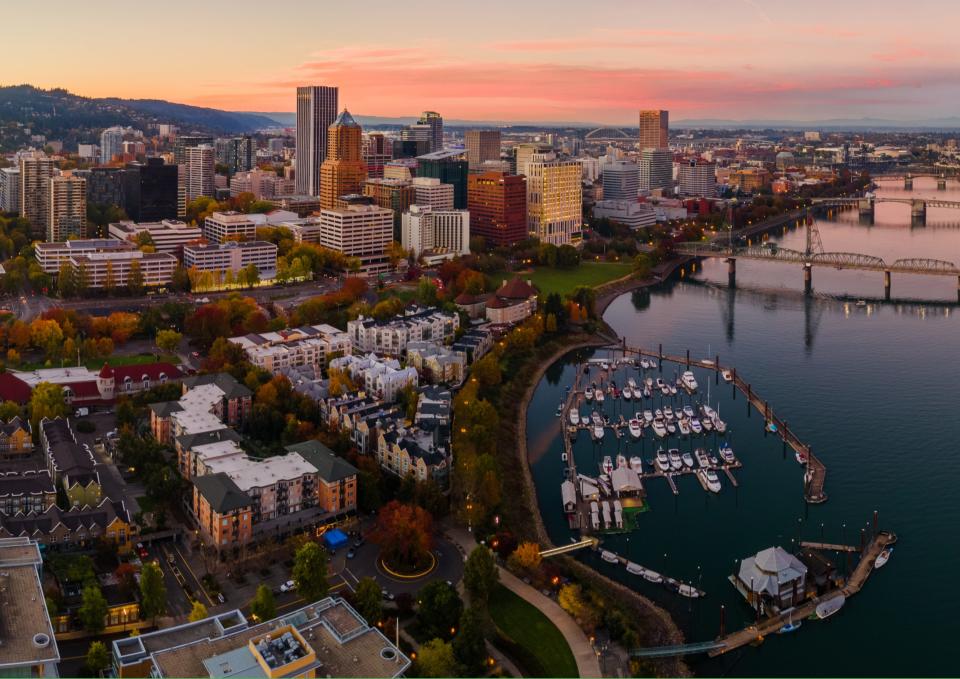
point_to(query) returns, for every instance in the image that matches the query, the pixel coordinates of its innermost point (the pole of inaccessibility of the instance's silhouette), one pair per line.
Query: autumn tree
(405, 535)
(571, 600)
(47, 336)
(197, 612)
(46, 401)
(168, 340)
(135, 281)
(310, 572)
(9, 410)
(526, 558)
(436, 659)
(97, 657)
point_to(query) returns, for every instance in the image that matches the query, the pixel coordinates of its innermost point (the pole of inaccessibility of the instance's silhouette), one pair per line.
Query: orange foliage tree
(405, 535)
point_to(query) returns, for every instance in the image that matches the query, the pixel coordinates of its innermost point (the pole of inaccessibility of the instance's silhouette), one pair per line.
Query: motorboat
(609, 557)
(726, 375)
(660, 383)
(688, 591)
(647, 416)
(647, 393)
(790, 627)
(659, 428)
(648, 382)
(708, 412)
(676, 462)
(663, 461)
(626, 393)
(710, 480)
(652, 576)
(653, 364)
(636, 464)
(827, 608)
(621, 462)
(726, 452)
(559, 409)
(688, 411)
(689, 381)
(701, 456)
(598, 394)
(644, 364)
(707, 424)
(719, 425)
(883, 557)
(588, 393)
(597, 432)
(636, 431)
(574, 416)
(772, 427)
(712, 460)
(668, 413)
(801, 458)
(671, 428)
(687, 460)
(658, 414)
(695, 426)
(607, 465)
(632, 383)
(605, 366)
(672, 390)
(684, 426)
(596, 418)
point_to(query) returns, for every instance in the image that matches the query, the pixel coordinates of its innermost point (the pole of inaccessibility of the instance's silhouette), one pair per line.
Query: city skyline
(599, 64)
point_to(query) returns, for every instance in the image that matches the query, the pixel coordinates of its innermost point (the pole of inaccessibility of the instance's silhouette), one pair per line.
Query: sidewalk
(587, 663)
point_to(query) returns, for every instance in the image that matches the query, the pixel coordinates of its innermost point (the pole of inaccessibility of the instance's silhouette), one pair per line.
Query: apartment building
(383, 378)
(554, 198)
(306, 346)
(392, 335)
(437, 364)
(67, 215)
(103, 269)
(221, 227)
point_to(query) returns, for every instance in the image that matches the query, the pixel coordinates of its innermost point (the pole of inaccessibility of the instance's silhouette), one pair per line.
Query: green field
(531, 639)
(564, 281)
(135, 359)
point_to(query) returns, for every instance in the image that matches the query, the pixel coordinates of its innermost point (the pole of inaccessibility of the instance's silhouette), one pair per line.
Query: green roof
(221, 492)
(330, 466)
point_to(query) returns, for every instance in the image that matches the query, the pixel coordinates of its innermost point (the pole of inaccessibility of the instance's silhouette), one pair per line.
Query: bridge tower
(732, 272)
(886, 285)
(908, 182)
(807, 278)
(918, 212)
(942, 182)
(867, 207)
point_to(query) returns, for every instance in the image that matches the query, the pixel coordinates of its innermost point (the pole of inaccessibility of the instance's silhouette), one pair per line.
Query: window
(225, 522)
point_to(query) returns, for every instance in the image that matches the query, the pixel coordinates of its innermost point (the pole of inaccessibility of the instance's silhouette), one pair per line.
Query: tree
(571, 600)
(480, 575)
(567, 257)
(405, 535)
(93, 609)
(46, 335)
(642, 265)
(469, 646)
(168, 340)
(97, 657)
(180, 280)
(438, 609)
(135, 281)
(526, 558)
(46, 401)
(368, 600)
(310, 571)
(436, 659)
(9, 410)
(263, 606)
(198, 612)
(153, 593)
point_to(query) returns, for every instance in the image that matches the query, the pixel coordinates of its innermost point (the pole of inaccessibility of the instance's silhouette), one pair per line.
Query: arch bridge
(608, 134)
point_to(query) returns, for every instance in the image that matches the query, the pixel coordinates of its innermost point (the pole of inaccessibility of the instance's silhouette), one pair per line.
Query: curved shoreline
(670, 634)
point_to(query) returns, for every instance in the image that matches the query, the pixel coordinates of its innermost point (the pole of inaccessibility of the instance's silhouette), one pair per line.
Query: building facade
(654, 129)
(36, 171)
(67, 217)
(450, 167)
(221, 227)
(361, 231)
(482, 145)
(621, 181)
(232, 256)
(697, 177)
(198, 168)
(317, 108)
(429, 232)
(342, 173)
(656, 170)
(498, 207)
(554, 199)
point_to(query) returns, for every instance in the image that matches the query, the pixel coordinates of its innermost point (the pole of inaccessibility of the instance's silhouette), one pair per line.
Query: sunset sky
(517, 60)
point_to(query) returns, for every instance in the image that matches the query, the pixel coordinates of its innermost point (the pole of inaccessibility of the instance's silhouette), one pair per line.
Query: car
(351, 553)
(195, 354)
(288, 586)
(222, 599)
(387, 595)
(142, 551)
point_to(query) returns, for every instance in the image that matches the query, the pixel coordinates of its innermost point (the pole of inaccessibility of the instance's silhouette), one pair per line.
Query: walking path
(587, 663)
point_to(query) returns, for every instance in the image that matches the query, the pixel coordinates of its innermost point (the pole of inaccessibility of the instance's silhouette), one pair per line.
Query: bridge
(941, 175)
(867, 205)
(572, 547)
(608, 134)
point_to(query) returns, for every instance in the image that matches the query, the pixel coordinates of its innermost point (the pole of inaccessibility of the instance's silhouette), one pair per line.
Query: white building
(361, 231)
(697, 177)
(51, 255)
(232, 256)
(656, 169)
(621, 181)
(435, 233)
(67, 215)
(10, 189)
(198, 169)
(156, 268)
(627, 212)
(429, 192)
(88, 151)
(590, 168)
(380, 377)
(111, 144)
(169, 235)
(391, 336)
(307, 346)
(223, 226)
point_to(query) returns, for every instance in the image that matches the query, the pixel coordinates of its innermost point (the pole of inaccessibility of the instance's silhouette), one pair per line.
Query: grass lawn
(563, 281)
(533, 636)
(135, 359)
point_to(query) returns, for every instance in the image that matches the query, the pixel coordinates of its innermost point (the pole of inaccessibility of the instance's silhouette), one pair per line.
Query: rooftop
(247, 472)
(328, 464)
(26, 635)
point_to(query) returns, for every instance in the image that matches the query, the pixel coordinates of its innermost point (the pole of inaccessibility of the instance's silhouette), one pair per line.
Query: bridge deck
(829, 546)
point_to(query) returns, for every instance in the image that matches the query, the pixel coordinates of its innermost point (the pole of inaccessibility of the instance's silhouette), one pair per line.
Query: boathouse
(772, 577)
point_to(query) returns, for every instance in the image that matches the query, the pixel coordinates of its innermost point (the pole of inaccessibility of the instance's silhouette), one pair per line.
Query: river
(872, 387)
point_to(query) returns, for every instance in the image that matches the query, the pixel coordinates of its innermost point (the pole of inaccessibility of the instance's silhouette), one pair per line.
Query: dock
(672, 584)
(829, 547)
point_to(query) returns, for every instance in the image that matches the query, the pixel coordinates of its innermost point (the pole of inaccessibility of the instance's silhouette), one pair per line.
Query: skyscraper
(415, 140)
(35, 173)
(67, 214)
(198, 172)
(621, 181)
(656, 170)
(184, 142)
(482, 145)
(450, 167)
(435, 122)
(498, 207)
(342, 172)
(697, 177)
(523, 153)
(316, 110)
(237, 153)
(554, 198)
(10, 189)
(158, 191)
(377, 150)
(111, 144)
(654, 129)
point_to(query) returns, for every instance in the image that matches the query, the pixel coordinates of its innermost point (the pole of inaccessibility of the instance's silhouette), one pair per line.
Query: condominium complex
(309, 346)
(482, 145)
(261, 183)
(316, 110)
(36, 170)
(232, 256)
(50, 256)
(444, 233)
(103, 269)
(111, 144)
(361, 231)
(391, 336)
(498, 207)
(697, 177)
(169, 235)
(654, 129)
(656, 170)
(554, 198)
(198, 171)
(10, 189)
(430, 192)
(621, 181)
(380, 377)
(67, 216)
(342, 172)
(221, 227)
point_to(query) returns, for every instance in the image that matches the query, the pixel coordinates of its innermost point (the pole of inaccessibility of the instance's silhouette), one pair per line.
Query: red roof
(12, 388)
(466, 299)
(106, 371)
(151, 370)
(516, 289)
(86, 389)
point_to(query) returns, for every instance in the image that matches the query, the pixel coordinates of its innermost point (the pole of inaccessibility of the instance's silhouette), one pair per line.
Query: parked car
(142, 551)
(288, 586)
(351, 553)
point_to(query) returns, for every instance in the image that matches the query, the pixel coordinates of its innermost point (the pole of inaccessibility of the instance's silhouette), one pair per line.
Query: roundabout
(415, 574)
(446, 563)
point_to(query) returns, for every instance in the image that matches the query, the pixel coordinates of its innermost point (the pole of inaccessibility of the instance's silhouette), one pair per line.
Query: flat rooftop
(26, 635)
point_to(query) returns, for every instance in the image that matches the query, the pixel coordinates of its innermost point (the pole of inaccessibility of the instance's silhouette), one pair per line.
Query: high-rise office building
(395, 195)
(107, 186)
(654, 129)
(450, 167)
(317, 108)
(35, 173)
(498, 207)
(697, 177)
(431, 192)
(184, 142)
(10, 189)
(621, 181)
(523, 153)
(158, 185)
(482, 145)
(342, 172)
(239, 154)
(442, 231)
(554, 198)
(111, 144)
(67, 214)
(415, 140)
(656, 170)
(435, 122)
(198, 172)
(377, 151)
(361, 231)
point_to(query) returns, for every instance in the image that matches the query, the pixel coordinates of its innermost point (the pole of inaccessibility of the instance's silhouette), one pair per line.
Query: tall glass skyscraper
(316, 110)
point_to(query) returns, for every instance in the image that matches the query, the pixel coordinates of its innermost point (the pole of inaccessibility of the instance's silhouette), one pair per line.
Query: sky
(519, 60)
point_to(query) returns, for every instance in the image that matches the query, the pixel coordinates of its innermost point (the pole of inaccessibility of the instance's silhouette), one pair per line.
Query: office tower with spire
(342, 173)
(654, 129)
(317, 108)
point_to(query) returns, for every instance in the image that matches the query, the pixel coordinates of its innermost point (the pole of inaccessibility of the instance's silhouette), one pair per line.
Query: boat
(883, 558)
(684, 426)
(676, 462)
(563, 456)
(658, 414)
(596, 418)
(574, 416)
(632, 383)
(695, 426)
(726, 452)
(707, 424)
(827, 608)
(652, 576)
(647, 416)
(671, 390)
(661, 385)
(712, 460)
(701, 456)
(668, 413)
(598, 394)
(609, 557)
(861, 302)
(644, 364)
(772, 427)
(636, 431)
(671, 428)
(648, 382)
(588, 393)
(635, 569)
(688, 591)
(659, 428)
(653, 364)
(719, 425)
(626, 393)
(636, 464)
(607, 465)
(688, 412)
(689, 381)
(687, 460)
(663, 461)
(559, 409)
(597, 432)
(801, 458)
(621, 462)
(708, 412)
(710, 480)
(726, 375)
(647, 393)
(605, 365)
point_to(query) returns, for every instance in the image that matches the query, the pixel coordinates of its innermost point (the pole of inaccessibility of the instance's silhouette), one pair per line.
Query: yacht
(827, 608)
(668, 413)
(726, 375)
(632, 383)
(676, 462)
(647, 393)
(726, 452)
(660, 384)
(658, 414)
(607, 465)
(701, 456)
(636, 464)
(883, 557)
(596, 419)
(695, 426)
(598, 394)
(801, 458)
(707, 424)
(709, 479)
(559, 409)
(689, 381)
(574, 416)
(671, 428)
(652, 576)
(636, 431)
(659, 428)
(688, 411)
(644, 364)
(648, 382)
(653, 364)
(672, 390)
(719, 425)
(713, 460)
(621, 461)
(588, 393)
(684, 426)
(687, 460)
(647, 416)
(663, 461)
(597, 432)
(627, 393)
(708, 412)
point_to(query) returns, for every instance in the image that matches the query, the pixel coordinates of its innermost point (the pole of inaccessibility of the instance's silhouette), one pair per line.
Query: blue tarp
(335, 539)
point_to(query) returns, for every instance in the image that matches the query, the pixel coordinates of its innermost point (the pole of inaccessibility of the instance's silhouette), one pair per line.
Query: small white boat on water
(605, 366)
(695, 426)
(726, 375)
(672, 390)
(883, 558)
(660, 383)
(574, 416)
(653, 364)
(609, 557)
(597, 432)
(688, 411)
(827, 608)
(701, 456)
(726, 452)
(663, 461)
(598, 394)
(621, 462)
(687, 460)
(659, 427)
(689, 381)
(668, 413)
(607, 465)
(596, 418)
(719, 425)
(636, 464)
(710, 480)
(636, 430)
(588, 393)
(684, 426)
(676, 462)
(644, 364)
(627, 393)
(688, 591)
(708, 412)
(707, 424)
(647, 416)
(635, 569)
(652, 576)
(632, 383)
